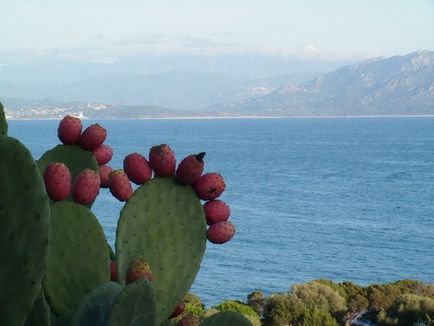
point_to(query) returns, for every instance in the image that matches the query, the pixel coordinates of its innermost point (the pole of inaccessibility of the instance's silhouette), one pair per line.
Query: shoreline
(244, 117)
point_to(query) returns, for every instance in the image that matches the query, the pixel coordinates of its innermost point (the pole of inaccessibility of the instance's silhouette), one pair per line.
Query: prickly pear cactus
(134, 306)
(164, 224)
(40, 314)
(3, 123)
(227, 318)
(73, 156)
(94, 308)
(79, 260)
(24, 231)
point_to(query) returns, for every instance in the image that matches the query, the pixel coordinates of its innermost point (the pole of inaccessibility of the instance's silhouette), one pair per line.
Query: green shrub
(319, 296)
(193, 300)
(282, 309)
(334, 286)
(382, 296)
(242, 308)
(256, 300)
(408, 309)
(316, 317)
(356, 296)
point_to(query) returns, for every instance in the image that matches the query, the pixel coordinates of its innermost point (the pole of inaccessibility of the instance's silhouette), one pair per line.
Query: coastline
(243, 117)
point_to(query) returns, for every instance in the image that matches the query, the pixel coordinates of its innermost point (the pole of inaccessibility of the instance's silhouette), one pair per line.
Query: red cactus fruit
(93, 137)
(137, 168)
(103, 154)
(190, 169)
(86, 187)
(209, 186)
(178, 310)
(138, 269)
(57, 180)
(69, 130)
(120, 185)
(221, 232)
(216, 211)
(162, 160)
(189, 320)
(104, 173)
(113, 271)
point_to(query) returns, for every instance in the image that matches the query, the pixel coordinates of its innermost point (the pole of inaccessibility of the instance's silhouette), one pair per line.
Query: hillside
(401, 85)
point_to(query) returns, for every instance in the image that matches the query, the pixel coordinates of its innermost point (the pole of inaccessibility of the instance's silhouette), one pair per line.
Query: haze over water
(346, 199)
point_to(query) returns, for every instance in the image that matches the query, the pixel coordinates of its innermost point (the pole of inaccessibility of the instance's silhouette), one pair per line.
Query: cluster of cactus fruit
(58, 267)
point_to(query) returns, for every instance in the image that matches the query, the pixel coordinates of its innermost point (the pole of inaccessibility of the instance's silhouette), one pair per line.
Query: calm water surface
(346, 199)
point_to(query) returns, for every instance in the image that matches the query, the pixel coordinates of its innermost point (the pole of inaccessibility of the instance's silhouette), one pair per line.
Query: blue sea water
(345, 199)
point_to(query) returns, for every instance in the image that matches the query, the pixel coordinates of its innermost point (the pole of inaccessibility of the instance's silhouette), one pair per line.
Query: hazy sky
(100, 30)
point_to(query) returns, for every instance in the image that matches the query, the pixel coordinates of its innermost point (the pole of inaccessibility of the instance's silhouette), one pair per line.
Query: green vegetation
(324, 302)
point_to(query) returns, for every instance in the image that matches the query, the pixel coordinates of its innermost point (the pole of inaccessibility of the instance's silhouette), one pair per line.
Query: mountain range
(400, 85)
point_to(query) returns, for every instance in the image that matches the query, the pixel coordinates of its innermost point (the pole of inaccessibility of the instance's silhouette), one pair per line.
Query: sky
(109, 29)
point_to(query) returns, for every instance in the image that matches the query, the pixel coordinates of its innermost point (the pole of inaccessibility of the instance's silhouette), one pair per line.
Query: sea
(338, 198)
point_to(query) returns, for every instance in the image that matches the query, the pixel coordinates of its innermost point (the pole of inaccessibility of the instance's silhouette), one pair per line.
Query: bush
(409, 309)
(316, 317)
(320, 296)
(256, 300)
(192, 305)
(334, 286)
(382, 296)
(282, 309)
(356, 296)
(242, 308)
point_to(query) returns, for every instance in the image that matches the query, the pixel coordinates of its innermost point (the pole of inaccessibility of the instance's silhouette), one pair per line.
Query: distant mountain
(393, 86)
(190, 82)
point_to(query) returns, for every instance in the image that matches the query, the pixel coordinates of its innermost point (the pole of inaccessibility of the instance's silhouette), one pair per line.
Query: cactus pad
(73, 156)
(94, 308)
(24, 231)
(3, 123)
(134, 306)
(40, 314)
(227, 318)
(79, 260)
(164, 224)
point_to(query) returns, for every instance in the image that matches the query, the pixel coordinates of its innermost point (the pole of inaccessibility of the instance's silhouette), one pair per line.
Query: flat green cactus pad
(79, 260)
(95, 307)
(134, 306)
(3, 123)
(227, 318)
(164, 224)
(40, 314)
(73, 156)
(24, 231)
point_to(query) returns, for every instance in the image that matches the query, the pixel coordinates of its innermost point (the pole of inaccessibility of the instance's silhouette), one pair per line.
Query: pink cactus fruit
(86, 187)
(103, 154)
(138, 269)
(178, 310)
(57, 180)
(162, 160)
(113, 271)
(209, 186)
(190, 169)
(137, 168)
(93, 137)
(216, 211)
(221, 232)
(104, 174)
(189, 320)
(120, 185)
(69, 130)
